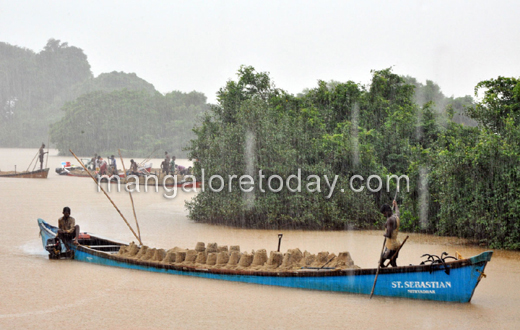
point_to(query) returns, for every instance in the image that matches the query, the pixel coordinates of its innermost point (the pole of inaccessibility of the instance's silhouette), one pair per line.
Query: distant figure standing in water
(41, 155)
(391, 230)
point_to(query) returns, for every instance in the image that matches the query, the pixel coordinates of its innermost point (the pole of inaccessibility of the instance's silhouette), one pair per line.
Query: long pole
(103, 190)
(381, 259)
(148, 158)
(48, 147)
(378, 268)
(131, 198)
(32, 161)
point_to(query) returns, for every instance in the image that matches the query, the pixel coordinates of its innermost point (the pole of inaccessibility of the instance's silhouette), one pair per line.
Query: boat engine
(53, 247)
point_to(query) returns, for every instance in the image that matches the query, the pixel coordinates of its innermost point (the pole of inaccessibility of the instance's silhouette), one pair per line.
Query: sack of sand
(142, 252)
(222, 258)
(122, 250)
(245, 260)
(292, 258)
(223, 248)
(275, 260)
(180, 257)
(212, 259)
(212, 247)
(344, 260)
(159, 255)
(308, 259)
(321, 259)
(259, 258)
(200, 247)
(148, 255)
(132, 250)
(201, 258)
(170, 257)
(234, 258)
(191, 256)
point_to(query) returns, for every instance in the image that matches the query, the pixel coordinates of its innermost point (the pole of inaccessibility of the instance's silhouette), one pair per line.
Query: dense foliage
(34, 87)
(30, 83)
(137, 122)
(462, 178)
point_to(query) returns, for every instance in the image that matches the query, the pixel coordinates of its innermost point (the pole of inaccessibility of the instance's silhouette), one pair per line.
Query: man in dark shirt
(67, 228)
(41, 155)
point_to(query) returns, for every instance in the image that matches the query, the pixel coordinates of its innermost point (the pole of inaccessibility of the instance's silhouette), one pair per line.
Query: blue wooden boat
(453, 281)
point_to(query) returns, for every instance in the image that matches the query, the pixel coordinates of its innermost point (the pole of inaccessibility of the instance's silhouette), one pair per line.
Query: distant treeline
(54, 86)
(464, 180)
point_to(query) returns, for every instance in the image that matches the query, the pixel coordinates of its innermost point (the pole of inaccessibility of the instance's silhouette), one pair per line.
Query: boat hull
(39, 174)
(455, 282)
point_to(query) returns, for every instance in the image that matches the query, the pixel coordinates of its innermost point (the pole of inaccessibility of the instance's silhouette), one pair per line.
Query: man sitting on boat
(133, 168)
(41, 155)
(67, 228)
(392, 228)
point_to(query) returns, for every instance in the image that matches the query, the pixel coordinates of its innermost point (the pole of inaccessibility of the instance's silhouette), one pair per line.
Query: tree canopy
(462, 178)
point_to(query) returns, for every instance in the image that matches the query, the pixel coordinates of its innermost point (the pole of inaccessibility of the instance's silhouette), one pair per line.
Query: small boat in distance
(453, 281)
(37, 174)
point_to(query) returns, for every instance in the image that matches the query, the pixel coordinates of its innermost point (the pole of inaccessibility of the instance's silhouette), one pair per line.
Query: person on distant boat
(41, 155)
(391, 230)
(113, 165)
(181, 169)
(93, 163)
(102, 166)
(67, 228)
(166, 168)
(133, 168)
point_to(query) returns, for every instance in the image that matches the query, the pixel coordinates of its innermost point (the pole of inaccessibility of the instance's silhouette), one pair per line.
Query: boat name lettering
(421, 285)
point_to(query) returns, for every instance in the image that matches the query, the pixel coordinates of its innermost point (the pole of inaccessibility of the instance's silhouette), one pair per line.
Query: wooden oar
(131, 198)
(378, 267)
(396, 252)
(103, 190)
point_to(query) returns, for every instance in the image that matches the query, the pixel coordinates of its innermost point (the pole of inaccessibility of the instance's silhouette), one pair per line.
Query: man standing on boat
(67, 228)
(41, 155)
(166, 163)
(391, 230)
(113, 165)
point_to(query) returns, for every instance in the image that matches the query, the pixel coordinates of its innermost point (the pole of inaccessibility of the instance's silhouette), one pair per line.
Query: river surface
(38, 293)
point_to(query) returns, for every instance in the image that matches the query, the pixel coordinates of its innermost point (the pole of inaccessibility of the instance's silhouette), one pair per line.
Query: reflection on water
(40, 293)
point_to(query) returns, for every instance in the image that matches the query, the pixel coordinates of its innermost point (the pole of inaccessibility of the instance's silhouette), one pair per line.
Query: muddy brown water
(36, 292)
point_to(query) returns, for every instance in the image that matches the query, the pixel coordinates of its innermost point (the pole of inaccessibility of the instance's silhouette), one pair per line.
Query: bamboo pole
(48, 148)
(131, 198)
(378, 268)
(148, 158)
(32, 160)
(121, 214)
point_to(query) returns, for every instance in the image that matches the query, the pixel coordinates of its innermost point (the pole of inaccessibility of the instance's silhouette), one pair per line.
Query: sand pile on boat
(212, 255)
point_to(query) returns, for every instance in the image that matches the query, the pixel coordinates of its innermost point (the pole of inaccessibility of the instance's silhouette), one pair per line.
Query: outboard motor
(53, 247)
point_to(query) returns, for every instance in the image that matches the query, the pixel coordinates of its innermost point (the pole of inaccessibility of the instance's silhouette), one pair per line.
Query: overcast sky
(199, 45)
